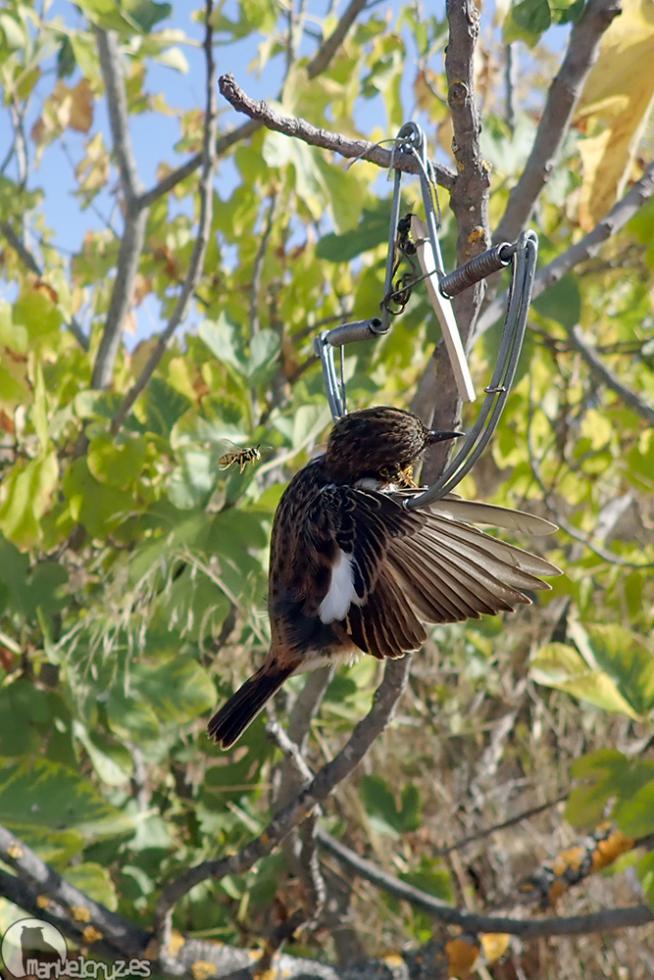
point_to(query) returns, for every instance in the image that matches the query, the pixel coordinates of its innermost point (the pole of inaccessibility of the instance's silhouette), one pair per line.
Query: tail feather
(229, 723)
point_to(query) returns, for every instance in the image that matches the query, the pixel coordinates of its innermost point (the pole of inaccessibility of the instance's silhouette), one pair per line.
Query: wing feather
(410, 567)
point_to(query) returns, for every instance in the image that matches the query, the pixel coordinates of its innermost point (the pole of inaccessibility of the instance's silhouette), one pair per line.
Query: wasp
(242, 457)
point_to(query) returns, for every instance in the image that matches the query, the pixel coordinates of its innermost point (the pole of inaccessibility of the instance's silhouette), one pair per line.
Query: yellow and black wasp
(241, 457)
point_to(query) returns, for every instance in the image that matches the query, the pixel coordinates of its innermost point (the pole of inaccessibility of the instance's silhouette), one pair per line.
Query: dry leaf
(81, 107)
(614, 108)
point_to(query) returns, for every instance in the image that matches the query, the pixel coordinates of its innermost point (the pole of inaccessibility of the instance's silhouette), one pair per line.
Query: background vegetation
(133, 569)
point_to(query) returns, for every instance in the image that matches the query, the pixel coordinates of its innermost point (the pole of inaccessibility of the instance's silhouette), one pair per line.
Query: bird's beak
(436, 436)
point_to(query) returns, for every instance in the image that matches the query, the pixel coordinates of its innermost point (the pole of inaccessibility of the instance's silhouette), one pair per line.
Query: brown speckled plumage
(352, 570)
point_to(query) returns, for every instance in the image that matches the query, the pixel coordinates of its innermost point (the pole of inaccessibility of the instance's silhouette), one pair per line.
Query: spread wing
(393, 569)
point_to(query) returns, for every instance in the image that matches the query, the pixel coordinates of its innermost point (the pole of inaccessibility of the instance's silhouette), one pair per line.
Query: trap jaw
(418, 243)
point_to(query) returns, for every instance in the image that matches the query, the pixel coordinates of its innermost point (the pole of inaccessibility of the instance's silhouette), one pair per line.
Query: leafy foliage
(133, 569)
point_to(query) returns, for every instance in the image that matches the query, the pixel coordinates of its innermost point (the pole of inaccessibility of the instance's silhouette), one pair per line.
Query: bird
(353, 570)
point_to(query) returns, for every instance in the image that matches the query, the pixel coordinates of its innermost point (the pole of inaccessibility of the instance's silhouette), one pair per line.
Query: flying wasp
(241, 457)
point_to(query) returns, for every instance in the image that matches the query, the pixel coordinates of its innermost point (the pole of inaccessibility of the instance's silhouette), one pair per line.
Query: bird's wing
(365, 593)
(393, 569)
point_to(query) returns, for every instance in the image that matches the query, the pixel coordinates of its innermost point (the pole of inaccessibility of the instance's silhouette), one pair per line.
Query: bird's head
(377, 443)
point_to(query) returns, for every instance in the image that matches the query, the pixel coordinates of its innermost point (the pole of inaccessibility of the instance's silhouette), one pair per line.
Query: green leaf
(627, 658)
(635, 815)
(308, 423)
(192, 482)
(380, 803)
(527, 20)
(264, 354)
(35, 311)
(113, 763)
(371, 231)
(95, 881)
(98, 506)
(224, 341)
(116, 462)
(566, 11)
(561, 666)
(607, 775)
(40, 411)
(157, 697)
(431, 877)
(561, 302)
(162, 406)
(40, 793)
(346, 194)
(28, 492)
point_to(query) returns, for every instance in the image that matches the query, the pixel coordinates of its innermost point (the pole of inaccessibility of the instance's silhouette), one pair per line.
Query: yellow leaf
(494, 945)
(614, 108)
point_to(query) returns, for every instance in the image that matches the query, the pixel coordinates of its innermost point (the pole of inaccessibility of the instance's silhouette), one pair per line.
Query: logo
(29, 945)
(34, 948)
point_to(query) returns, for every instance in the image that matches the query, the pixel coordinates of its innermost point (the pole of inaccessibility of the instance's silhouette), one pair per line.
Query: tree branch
(437, 397)
(325, 53)
(368, 729)
(298, 128)
(131, 243)
(38, 877)
(607, 377)
(202, 238)
(562, 99)
(320, 61)
(574, 925)
(223, 144)
(114, 83)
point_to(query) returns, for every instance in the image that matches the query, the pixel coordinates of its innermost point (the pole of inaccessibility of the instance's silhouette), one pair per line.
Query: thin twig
(257, 268)
(291, 750)
(298, 128)
(607, 377)
(325, 53)
(562, 98)
(196, 263)
(175, 177)
(341, 766)
(575, 925)
(494, 828)
(131, 243)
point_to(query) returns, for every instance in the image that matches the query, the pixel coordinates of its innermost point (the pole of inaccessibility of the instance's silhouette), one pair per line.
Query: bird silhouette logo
(33, 947)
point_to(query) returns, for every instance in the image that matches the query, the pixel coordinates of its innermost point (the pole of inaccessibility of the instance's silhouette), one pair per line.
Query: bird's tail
(228, 724)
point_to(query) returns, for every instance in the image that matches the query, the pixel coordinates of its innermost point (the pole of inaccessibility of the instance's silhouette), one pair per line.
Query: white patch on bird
(371, 483)
(341, 593)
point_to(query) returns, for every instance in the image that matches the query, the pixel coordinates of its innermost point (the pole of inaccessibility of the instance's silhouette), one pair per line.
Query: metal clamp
(441, 287)
(525, 253)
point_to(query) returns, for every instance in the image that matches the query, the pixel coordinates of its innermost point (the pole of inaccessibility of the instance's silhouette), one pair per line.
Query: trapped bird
(353, 570)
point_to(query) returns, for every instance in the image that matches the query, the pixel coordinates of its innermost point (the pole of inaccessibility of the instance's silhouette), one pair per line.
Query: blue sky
(154, 135)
